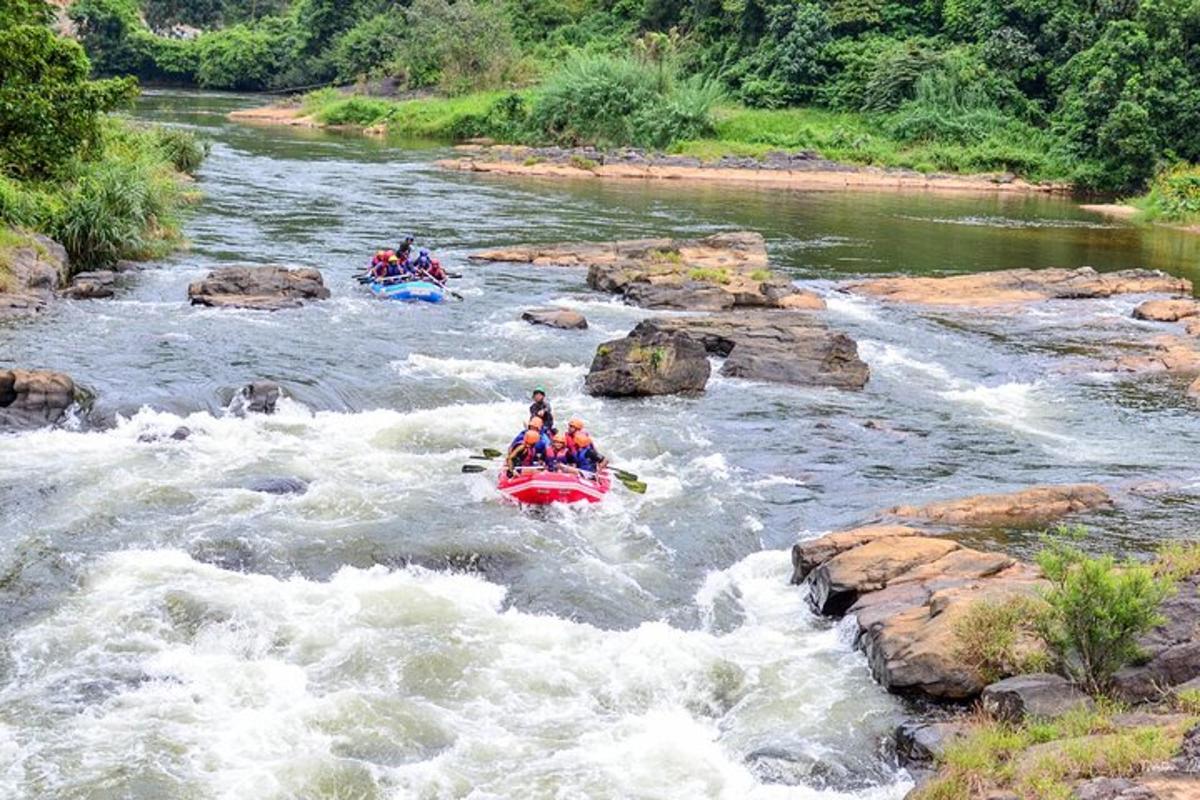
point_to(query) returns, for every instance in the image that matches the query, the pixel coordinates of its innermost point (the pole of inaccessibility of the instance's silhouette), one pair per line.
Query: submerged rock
(262, 288)
(258, 397)
(775, 346)
(91, 286)
(34, 398)
(1036, 505)
(555, 318)
(1020, 286)
(1037, 695)
(715, 273)
(282, 485)
(647, 362)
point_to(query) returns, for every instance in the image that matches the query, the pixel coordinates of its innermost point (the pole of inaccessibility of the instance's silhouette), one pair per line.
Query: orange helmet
(583, 439)
(536, 423)
(379, 254)
(576, 424)
(532, 437)
(560, 438)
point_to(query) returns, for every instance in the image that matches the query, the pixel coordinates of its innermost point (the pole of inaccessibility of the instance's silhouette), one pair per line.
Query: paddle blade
(637, 487)
(622, 475)
(470, 468)
(481, 458)
(490, 453)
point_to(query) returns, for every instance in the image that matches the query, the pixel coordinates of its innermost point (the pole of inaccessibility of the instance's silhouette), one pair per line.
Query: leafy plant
(999, 639)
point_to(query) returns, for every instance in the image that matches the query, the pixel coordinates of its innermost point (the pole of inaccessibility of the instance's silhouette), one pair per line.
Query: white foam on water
(164, 677)
(852, 307)
(476, 369)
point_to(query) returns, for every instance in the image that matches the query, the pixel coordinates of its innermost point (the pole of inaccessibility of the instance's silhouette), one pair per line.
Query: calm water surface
(397, 631)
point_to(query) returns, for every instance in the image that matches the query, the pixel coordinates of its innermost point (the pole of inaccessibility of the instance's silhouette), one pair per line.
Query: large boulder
(262, 288)
(776, 346)
(648, 362)
(808, 555)
(1167, 310)
(1020, 286)
(555, 318)
(922, 743)
(1034, 506)
(33, 398)
(30, 271)
(1039, 695)
(1170, 652)
(836, 585)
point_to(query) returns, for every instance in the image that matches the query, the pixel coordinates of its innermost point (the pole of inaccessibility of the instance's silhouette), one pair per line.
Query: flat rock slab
(555, 318)
(836, 584)
(1167, 310)
(715, 273)
(34, 398)
(1039, 695)
(1032, 506)
(260, 288)
(775, 346)
(1006, 287)
(807, 556)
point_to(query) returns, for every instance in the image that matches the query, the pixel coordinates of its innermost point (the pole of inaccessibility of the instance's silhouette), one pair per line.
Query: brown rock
(1040, 695)
(555, 318)
(1020, 286)
(836, 584)
(647, 362)
(262, 288)
(1172, 354)
(1167, 310)
(807, 556)
(1193, 390)
(31, 271)
(91, 286)
(1036, 505)
(33, 398)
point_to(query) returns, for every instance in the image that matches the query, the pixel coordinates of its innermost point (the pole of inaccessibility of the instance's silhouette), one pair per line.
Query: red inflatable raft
(538, 487)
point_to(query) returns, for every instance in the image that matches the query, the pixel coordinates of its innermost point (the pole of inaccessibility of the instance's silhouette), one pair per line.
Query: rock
(922, 743)
(807, 556)
(835, 585)
(34, 398)
(1171, 651)
(1039, 695)
(1166, 310)
(258, 397)
(1188, 759)
(780, 347)
(178, 435)
(1193, 390)
(715, 273)
(262, 288)
(555, 318)
(91, 286)
(648, 362)
(1113, 789)
(1032, 506)
(1020, 286)
(1170, 354)
(278, 485)
(31, 270)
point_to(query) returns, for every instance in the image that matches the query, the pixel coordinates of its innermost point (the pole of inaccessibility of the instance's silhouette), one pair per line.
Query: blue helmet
(424, 251)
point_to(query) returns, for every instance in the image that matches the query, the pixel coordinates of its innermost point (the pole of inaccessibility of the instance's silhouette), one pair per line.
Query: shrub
(999, 639)
(460, 46)
(368, 47)
(181, 148)
(239, 58)
(1096, 609)
(1174, 194)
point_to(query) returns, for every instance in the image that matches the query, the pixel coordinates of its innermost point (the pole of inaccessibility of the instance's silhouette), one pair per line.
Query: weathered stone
(1193, 390)
(33, 269)
(261, 288)
(34, 398)
(922, 743)
(836, 584)
(555, 318)
(1166, 310)
(807, 556)
(1171, 651)
(1035, 505)
(1113, 789)
(178, 435)
(1020, 286)
(278, 485)
(780, 347)
(1037, 695)
(258, 397)
(683, 296)
(1170, 354)
(648, 362)
(91, 286)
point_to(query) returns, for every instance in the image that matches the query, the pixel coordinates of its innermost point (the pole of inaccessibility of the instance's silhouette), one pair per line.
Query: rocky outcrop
(34, 398)
(555, 318)
(30, 271)
(1020, 286)
(776, 346)
(837, 584)
(1171, 652)
(716, 273)
(922, 743)
(1034, 506)
(261, 288)
(1167, 310)
(807, 556)
(91, 286)
(647, 362)
(1040, 695)
(1168, 354)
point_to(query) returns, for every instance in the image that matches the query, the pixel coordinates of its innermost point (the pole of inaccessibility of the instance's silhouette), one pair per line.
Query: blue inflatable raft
(409, 290)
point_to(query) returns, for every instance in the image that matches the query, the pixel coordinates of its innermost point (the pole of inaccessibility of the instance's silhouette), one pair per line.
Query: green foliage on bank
(1174, 196)
(1104, 93)
(104, 188)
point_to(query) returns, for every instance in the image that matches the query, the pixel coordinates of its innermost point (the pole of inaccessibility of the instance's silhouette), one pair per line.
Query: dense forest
(1105, 93)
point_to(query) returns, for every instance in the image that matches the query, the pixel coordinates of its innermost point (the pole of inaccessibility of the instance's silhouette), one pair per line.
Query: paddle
(472, 468)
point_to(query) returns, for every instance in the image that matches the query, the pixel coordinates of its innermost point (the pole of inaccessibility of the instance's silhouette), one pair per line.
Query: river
(399, 632)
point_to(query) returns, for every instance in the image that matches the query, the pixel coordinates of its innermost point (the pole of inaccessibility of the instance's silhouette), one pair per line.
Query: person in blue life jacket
(587, 457)
(535, 424)
(526, 454)
(559, 457)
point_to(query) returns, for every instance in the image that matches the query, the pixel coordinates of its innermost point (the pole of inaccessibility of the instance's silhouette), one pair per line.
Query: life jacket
(587, 458)
(557, 457)
(523, 456)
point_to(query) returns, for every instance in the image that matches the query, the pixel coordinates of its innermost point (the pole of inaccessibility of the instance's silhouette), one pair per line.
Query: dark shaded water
(176, 635)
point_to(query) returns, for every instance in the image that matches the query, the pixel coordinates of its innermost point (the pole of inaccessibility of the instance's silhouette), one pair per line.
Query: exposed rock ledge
(34, 398)
(662, 356)
(1020, 286)
(31, 272)
(261, 288)
(715, 273)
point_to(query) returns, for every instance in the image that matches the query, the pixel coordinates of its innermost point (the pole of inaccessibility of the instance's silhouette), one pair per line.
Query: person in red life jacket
(525, 455)
(574, 426)
(559, 457)
(587, 457)
(436, 272)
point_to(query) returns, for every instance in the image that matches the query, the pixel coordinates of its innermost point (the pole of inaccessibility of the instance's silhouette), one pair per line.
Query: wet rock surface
(278, 485)
(258, 397)
(1033, 506)
(555, 318)
(35, 269)
(34, 398)
(91, 286)
(1020, 286)
(260, 288)
(648, 361)
(1167, 310)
